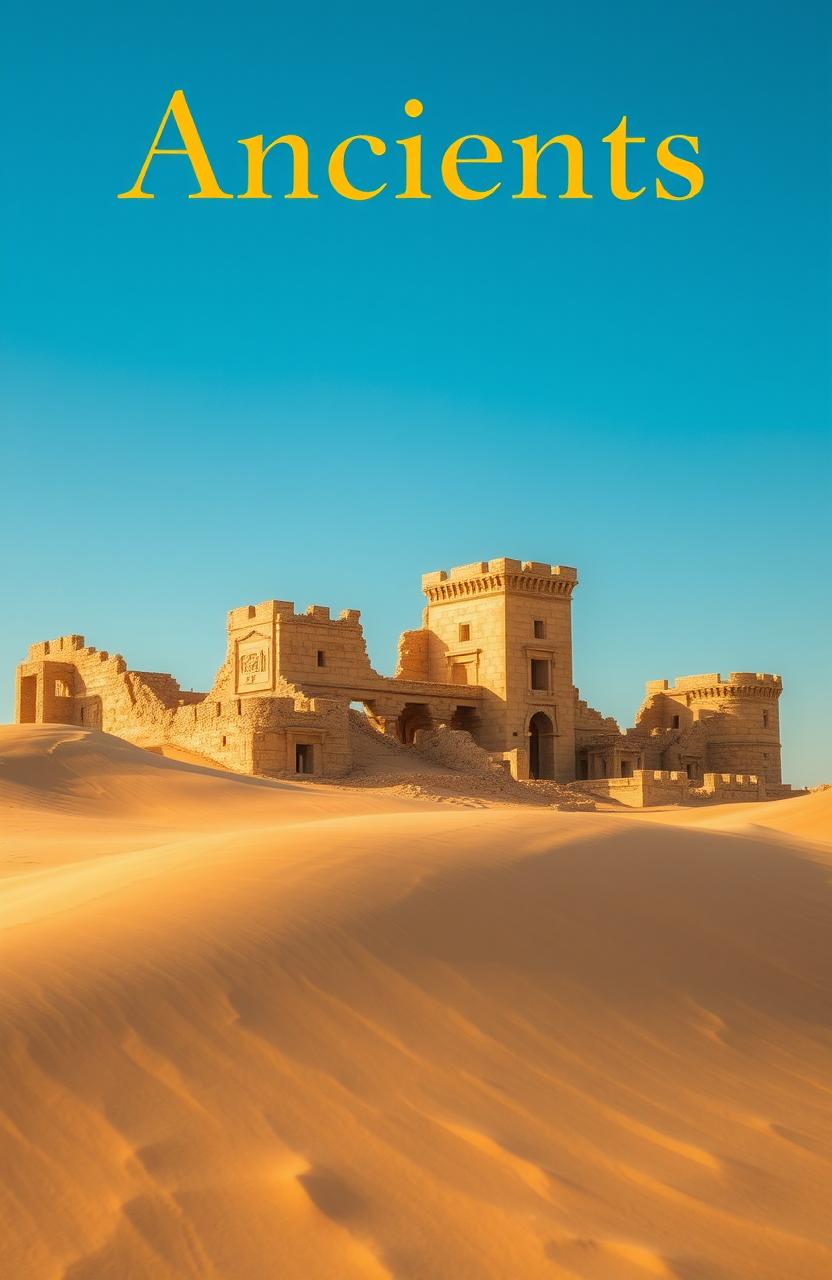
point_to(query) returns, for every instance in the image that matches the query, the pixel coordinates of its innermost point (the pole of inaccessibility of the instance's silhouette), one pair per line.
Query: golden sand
(291, 1032)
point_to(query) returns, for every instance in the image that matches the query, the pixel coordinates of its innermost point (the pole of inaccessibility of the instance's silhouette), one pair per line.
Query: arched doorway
(414, 716)
(541, 746)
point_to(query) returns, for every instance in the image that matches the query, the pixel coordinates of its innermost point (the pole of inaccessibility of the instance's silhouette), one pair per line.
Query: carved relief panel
(254, 663)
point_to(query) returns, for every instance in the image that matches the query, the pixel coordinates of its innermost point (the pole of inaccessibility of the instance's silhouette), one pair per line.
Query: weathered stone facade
(493, 656)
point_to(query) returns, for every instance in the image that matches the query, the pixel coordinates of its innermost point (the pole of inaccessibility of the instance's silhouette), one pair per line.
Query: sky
(210, 403)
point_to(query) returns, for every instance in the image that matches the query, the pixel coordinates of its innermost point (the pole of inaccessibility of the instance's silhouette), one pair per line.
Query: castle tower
(507, 627)
(739, 715)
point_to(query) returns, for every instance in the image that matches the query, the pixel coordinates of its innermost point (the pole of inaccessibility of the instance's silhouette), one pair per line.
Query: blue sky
(210, 403)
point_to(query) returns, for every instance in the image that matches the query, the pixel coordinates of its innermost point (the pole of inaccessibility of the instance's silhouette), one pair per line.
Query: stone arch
(415, 715)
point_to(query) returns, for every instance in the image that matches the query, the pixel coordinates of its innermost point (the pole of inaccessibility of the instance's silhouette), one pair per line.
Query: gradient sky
(210, 403)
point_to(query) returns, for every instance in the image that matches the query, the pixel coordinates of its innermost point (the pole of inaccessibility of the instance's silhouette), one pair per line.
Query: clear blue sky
(210, 403)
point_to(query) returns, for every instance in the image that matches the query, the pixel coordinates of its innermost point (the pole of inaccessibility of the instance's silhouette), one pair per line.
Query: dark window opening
(765, 719)
(321, 658)
(303, 757)
(675, 722)
(224, 741)
(239, 706)
(465, 631)
(219, 708)
(626, 769)
(82, 715)
(540, 674)
(539, 629)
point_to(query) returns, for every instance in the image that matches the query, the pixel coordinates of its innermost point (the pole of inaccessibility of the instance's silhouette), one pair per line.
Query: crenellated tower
(506, 625)
(739, 716)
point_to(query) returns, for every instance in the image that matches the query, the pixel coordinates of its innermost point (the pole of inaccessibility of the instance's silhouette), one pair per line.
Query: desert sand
(270, 1031)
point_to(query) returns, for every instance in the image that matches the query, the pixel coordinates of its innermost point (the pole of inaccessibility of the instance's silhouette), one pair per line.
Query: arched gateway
(541, 746)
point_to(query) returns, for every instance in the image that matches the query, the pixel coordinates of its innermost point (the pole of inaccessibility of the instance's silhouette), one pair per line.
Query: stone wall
(645, 787)
(672, 786)
(249, 734)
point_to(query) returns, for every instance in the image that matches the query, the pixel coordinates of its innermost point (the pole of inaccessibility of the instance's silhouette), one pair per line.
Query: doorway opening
(304, 757)
(414, 716)
(28, 699)
(541, 746)
(466, 718)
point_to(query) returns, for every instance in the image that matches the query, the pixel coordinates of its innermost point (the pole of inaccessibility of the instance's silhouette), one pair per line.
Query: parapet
(265, 611)
(712, 681)
(719, 781)
(270, 611)
(71, 649)
(500, 574)
(58, 649)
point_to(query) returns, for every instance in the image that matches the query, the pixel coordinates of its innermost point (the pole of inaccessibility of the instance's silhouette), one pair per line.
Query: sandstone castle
(493, 656)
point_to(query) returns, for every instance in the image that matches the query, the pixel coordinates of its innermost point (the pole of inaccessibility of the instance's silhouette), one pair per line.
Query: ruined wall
(98, 691)
(413, 659)
(590, 721)
(250, 734)
(645, 787)
(493, 657)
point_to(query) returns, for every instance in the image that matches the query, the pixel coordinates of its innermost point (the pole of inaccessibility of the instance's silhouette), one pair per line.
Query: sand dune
(267, 1031)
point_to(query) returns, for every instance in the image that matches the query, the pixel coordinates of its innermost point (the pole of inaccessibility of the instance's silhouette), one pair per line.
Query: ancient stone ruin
(493, 657)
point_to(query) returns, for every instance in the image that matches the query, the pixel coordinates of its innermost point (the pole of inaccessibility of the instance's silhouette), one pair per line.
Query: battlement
(502, 574)
(71, 649)
(59, 649)
(712, 682)
(731, 782)
(270, 611)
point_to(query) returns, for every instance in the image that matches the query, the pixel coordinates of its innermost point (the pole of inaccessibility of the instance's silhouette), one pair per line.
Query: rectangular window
(675, 722)
(539, 629)
(765, 719)
(465, 631)
(321, 658)
(459, 673)
(540, 674)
